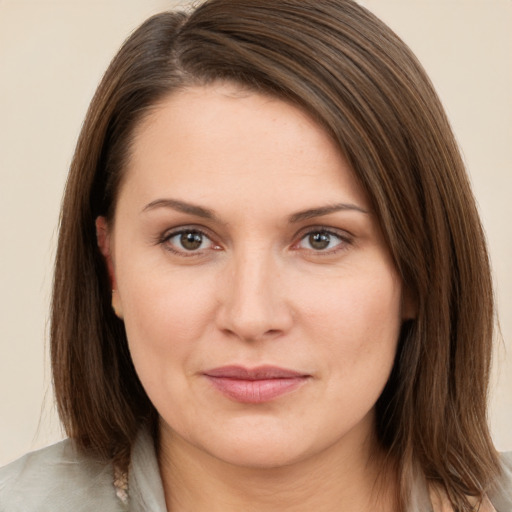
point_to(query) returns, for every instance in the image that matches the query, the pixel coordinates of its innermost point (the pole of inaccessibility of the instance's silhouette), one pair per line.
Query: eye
(188, 241)
(321, 240)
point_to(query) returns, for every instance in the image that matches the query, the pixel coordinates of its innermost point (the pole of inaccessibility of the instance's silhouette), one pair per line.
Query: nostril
(251, 335)
(253, 308)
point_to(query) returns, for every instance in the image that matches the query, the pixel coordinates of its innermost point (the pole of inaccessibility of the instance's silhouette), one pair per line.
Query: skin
(257, 291)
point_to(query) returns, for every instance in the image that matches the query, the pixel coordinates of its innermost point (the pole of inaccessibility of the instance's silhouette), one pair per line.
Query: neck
(350, 478)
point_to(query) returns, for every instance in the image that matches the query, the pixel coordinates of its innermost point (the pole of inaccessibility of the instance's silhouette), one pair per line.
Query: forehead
(227, 113)
(207, 139)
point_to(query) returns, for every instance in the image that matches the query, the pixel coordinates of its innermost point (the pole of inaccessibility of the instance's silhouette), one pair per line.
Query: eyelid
(168, 234)
(346, 239)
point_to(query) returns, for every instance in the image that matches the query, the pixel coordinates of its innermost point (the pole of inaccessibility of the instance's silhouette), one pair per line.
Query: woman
(272, 290)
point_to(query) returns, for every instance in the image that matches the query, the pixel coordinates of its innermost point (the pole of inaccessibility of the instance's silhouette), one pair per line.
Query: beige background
(52, 55)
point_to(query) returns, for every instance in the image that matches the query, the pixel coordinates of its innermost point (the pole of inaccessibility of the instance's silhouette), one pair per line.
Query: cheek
(356, 323)
(359, 302)
(355, 328)
(164, 319)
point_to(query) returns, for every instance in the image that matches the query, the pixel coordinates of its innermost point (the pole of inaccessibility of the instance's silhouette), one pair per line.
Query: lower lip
(256, 391)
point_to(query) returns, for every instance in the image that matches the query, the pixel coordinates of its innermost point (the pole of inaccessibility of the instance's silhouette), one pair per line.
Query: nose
(254, 304)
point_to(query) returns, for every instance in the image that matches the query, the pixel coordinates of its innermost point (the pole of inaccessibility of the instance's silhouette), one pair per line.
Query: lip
(255, 385)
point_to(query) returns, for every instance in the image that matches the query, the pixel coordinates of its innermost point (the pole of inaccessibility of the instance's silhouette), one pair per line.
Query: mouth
(255, 385)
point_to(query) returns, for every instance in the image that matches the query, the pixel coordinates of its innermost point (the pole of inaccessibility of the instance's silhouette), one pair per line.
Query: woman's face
(261, 304)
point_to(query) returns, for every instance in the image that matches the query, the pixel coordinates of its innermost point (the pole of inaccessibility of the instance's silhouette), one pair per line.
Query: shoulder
(56, 479)
(431, 497)
(501, 495)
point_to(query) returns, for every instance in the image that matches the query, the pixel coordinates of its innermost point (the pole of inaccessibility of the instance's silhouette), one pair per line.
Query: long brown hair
(361, 82)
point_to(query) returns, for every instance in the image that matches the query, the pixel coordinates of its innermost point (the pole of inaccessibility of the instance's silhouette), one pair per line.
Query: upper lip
(258, 373)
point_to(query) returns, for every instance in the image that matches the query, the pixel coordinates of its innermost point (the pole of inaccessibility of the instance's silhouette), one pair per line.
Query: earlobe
(116, 304)
(103, 240)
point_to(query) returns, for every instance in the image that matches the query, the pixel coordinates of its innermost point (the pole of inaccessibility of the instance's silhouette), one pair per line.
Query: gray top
(58, 479)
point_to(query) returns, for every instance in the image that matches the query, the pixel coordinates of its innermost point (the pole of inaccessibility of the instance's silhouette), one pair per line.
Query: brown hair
(362, 83)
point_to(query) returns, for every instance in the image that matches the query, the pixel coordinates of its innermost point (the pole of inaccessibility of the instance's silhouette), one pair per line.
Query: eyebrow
(181, 206)
(324, 210)
(206, 213)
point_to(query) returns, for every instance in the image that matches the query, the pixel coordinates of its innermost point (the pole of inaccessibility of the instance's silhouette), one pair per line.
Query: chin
(263, 448)
(262, 455)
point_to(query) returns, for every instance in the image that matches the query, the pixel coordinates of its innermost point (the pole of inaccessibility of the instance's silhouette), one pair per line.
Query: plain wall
(52, 55)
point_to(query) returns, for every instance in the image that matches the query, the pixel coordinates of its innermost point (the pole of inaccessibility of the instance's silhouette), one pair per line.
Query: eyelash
(165, 241)
(345, 240)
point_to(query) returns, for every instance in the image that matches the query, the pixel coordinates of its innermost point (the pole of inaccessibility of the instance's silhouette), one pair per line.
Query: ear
(103, 240)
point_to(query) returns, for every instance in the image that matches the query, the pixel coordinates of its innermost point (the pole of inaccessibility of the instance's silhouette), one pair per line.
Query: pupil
(319, 240)
(191, 241)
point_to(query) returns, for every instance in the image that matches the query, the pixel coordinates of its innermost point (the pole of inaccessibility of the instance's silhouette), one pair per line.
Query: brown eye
(191, 240)
(323, 241)
(188, 241)
(319, 241)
